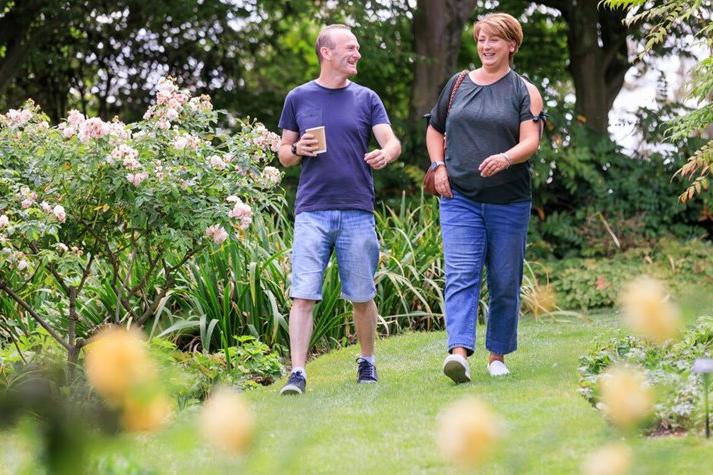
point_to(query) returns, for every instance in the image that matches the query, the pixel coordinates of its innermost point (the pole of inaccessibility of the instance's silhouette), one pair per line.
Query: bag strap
(452, 95)
(454, 89)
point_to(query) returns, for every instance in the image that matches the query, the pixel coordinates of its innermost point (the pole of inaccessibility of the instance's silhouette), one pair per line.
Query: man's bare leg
(300, 326)
(365, 314)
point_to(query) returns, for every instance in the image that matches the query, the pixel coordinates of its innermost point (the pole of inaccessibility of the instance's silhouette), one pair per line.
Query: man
(335, 197)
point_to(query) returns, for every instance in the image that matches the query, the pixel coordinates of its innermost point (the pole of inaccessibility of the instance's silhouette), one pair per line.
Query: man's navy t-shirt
(338, 178)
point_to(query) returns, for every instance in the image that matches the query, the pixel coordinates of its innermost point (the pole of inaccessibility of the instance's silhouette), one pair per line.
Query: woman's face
(493, 50)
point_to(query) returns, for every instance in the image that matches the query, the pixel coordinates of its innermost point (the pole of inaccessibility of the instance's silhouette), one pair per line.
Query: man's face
(345, 55)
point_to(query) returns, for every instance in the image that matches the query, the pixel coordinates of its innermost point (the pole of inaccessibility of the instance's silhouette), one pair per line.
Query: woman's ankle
(496, 357)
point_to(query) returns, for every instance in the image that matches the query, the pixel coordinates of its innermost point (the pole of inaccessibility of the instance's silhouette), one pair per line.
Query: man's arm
(305, 147)
(390, 147)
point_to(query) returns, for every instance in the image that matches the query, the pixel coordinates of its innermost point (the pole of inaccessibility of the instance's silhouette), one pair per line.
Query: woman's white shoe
(497, 368)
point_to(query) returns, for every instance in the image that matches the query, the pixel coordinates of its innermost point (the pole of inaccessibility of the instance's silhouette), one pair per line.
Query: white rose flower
(59, 213)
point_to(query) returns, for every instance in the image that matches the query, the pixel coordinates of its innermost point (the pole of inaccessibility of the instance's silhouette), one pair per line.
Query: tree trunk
(437, 31)
(598, 57)
(15, 27)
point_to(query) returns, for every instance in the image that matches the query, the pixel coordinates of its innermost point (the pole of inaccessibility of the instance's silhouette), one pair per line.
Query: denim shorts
(352, 235)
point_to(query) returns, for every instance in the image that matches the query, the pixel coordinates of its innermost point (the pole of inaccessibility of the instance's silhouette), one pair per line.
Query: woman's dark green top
(483, 121)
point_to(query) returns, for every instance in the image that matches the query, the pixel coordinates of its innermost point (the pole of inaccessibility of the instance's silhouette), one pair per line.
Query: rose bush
(122, 205)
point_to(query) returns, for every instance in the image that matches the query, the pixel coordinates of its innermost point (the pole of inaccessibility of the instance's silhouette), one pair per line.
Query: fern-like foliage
(664, 17)
(698, 165)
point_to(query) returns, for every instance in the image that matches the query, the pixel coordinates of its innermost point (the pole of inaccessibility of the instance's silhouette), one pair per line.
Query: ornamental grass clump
(539, 299)
(469, 432)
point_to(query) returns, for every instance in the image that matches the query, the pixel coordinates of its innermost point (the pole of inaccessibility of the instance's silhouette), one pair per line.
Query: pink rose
(75, 118)
(217, 233)
(136, 179)
(58, 212)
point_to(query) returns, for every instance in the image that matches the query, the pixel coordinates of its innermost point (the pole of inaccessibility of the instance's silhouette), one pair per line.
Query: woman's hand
(493, 164)
(440, 179)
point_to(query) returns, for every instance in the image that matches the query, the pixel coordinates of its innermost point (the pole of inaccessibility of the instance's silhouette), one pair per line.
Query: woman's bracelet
(507, 158)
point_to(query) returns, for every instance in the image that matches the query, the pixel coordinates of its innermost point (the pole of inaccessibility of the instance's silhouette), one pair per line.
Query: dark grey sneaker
(456, 368)
(366, 372)
(296, 384)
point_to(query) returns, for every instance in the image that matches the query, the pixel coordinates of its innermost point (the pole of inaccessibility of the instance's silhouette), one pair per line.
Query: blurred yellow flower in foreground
(626, 397)
(146, 414)
(612, 459)
(648, 311)
(227, 421)
(468, 431)
(117, 361)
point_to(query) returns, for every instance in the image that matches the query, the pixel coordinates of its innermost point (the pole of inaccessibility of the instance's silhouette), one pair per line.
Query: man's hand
(306, 145)
(390, 147)
(440, 180)
(377, 159)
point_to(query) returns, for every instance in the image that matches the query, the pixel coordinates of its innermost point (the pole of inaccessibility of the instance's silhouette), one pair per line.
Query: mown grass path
(342, 427)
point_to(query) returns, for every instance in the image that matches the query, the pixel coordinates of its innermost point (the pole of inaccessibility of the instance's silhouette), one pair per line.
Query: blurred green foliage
(667, 368)
(591, 283)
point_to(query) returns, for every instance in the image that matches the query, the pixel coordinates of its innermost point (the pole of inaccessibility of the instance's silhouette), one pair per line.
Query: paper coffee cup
(321, 137)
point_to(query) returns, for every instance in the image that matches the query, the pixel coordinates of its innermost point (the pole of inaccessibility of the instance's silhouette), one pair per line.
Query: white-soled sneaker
(296, 384)
(498, 368)
(456, 368)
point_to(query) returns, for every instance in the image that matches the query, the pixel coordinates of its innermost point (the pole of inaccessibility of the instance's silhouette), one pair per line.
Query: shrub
(596, 283)
(668, 368)
(123, 207)
(192, 375)
(592, 199)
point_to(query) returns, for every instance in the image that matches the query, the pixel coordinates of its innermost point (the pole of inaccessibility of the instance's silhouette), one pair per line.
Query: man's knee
(363, 306)
(303, 305)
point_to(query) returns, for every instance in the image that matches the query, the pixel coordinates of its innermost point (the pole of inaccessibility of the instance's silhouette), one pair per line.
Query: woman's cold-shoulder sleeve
(525, 103)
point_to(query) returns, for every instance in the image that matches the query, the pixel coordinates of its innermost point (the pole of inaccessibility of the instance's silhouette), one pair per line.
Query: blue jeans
(477, 234)
(352, 235)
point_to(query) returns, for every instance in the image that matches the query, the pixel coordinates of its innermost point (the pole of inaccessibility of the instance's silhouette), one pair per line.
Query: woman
(493, 127)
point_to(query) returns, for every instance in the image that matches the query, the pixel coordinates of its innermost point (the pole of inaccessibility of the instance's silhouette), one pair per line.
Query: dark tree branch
(20, 301)
(85, 274)
(168, 273)
(53, 270)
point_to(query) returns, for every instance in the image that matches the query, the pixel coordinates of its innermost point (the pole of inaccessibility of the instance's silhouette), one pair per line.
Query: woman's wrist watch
(436, 164)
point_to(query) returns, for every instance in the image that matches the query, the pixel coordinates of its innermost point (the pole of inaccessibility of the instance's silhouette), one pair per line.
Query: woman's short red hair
(503, 25)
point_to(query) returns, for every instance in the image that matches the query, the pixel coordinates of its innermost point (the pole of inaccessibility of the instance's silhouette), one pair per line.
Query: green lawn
(342, 427)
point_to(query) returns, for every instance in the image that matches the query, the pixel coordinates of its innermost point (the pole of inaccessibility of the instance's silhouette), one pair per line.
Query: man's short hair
(324, 39)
